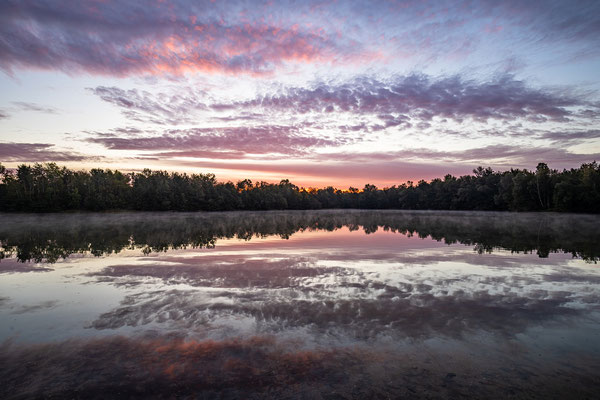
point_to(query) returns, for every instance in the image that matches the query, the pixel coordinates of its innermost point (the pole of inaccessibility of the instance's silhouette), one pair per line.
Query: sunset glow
(321, 93)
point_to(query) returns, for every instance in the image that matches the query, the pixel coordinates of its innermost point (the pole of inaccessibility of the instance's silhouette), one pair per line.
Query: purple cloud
(35, 152)
(571, 136)
(255, 140)
(176, 36)
(162, 109)
(495, 155)
(121, 39)
(402, 102)
(390, 168)
(423, 97)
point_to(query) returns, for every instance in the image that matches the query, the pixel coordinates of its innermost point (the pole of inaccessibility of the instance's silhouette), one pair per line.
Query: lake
(309, 304)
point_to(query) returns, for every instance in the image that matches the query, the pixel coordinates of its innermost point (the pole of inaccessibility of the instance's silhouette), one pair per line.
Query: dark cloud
(36, 152)
(571, 277)
(4, 114)
(571, 136)
(12, 265)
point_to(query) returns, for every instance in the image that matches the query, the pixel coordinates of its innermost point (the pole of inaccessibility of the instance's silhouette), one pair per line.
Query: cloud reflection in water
(290, 304)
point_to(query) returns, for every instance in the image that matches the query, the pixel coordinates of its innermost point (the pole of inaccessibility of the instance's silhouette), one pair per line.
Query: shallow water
(328, 304)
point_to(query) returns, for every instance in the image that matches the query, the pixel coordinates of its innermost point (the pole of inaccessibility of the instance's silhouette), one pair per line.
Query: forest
(52, 188)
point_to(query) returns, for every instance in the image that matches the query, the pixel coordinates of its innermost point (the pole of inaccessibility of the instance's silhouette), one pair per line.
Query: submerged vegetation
(51, 188)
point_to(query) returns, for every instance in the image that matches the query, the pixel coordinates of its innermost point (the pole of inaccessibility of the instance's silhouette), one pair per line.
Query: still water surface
(328, 304)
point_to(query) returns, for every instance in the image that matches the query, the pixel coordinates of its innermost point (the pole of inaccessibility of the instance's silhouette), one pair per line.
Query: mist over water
(307, 304)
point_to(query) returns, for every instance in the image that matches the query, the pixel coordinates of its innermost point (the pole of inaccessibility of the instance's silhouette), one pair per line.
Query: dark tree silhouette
(50, 188)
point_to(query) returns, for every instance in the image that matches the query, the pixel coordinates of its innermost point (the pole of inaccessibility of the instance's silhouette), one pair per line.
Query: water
(328, 304)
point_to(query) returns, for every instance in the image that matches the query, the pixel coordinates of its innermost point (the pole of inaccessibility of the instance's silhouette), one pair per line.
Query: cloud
(36, 152)
(422, 97)
(571, 136)
(33, 308)
(13, 266)
(370, 103)
(223, 272)
(176, 36)
(395, 167)
(162, 109)
(552, 22)
(493, 155)
(4, 114)
(512, 155)
(215, 155)
(374, 308)
(256, 140)
(26, 106)
(122, 39)
(338, 174)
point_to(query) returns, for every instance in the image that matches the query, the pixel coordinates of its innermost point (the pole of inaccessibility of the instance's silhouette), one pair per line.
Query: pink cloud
(126, 39)
(388, 168)
(255, 140)
(324, 173)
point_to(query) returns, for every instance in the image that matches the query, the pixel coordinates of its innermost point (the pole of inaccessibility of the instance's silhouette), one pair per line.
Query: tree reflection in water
(353, 306)
(47, 238)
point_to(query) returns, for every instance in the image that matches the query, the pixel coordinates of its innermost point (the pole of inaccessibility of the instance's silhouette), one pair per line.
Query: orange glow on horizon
(303, 181)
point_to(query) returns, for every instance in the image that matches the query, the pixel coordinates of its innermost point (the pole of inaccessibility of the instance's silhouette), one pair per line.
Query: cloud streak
(391, 168)
(234, 140)
(167, 38)
(162, 109)
(25, 106)
(495, 154)
(178, 36)
(36, 152)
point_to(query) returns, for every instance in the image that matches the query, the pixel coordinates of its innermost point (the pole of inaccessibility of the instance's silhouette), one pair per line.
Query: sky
(339, 93)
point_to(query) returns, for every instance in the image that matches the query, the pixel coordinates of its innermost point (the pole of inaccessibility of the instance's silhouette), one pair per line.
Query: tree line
(52, 188)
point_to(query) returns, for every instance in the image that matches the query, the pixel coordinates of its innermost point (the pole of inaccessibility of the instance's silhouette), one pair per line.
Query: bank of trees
(51, 188)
